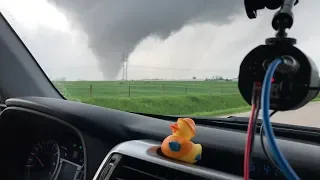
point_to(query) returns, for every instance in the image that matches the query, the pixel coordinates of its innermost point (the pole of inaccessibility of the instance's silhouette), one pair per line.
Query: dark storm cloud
(117, 26)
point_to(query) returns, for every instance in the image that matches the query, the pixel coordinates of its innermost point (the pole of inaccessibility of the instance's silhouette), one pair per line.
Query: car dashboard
(52, 139)
(57, 157)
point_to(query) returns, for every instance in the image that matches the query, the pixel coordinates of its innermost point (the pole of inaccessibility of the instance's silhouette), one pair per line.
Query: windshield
(164, 57)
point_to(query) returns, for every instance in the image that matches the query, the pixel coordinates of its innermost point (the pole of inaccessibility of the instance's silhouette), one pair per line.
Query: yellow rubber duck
(178, 145)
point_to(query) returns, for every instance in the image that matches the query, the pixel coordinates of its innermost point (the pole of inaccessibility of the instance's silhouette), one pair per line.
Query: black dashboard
(44, 138)
(52, 150)
(56, 157)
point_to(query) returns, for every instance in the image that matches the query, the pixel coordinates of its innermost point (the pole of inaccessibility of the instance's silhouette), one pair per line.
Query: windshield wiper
(240, 123)
(201, 119)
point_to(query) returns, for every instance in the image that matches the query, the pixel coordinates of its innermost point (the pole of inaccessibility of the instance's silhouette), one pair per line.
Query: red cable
(250, 133)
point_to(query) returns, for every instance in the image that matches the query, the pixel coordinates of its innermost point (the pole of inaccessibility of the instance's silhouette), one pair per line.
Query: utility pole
(123, 71)
(124, 67)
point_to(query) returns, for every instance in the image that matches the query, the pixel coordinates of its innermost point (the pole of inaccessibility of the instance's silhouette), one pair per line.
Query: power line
(148, 67)
(177, 69)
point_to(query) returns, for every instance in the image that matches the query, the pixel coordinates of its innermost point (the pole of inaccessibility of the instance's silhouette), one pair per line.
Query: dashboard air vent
(107, 169)
(130, 168)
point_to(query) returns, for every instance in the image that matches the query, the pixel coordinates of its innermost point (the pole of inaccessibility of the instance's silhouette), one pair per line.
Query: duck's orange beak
(174, 127)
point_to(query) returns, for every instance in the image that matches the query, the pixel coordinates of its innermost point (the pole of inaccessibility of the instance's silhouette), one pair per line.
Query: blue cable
(265, 102)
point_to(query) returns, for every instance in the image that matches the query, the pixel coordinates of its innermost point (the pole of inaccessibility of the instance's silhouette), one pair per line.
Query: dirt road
(308, 115)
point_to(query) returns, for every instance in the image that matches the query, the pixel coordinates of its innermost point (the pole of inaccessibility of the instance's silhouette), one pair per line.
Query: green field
(198, 98)
(103, 89)
(201, 98)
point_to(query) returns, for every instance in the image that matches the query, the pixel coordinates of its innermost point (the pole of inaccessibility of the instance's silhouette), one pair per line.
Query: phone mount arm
(283, 19)
(252, 6)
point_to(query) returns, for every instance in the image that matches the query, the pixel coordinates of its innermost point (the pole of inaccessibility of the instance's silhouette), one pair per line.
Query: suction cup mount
(281, 21)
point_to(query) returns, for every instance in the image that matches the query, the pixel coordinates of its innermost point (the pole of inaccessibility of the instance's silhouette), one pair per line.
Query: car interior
(83, 141)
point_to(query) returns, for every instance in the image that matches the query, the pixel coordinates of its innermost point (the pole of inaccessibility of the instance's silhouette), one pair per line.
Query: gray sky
(169, 39)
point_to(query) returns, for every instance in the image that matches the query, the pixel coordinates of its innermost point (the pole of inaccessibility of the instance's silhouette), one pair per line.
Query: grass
(229, 111)
(316, 99)
(196, 98)
(174, 105)
(103, 89)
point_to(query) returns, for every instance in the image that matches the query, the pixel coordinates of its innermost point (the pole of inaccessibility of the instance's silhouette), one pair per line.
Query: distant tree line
(220, 78)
